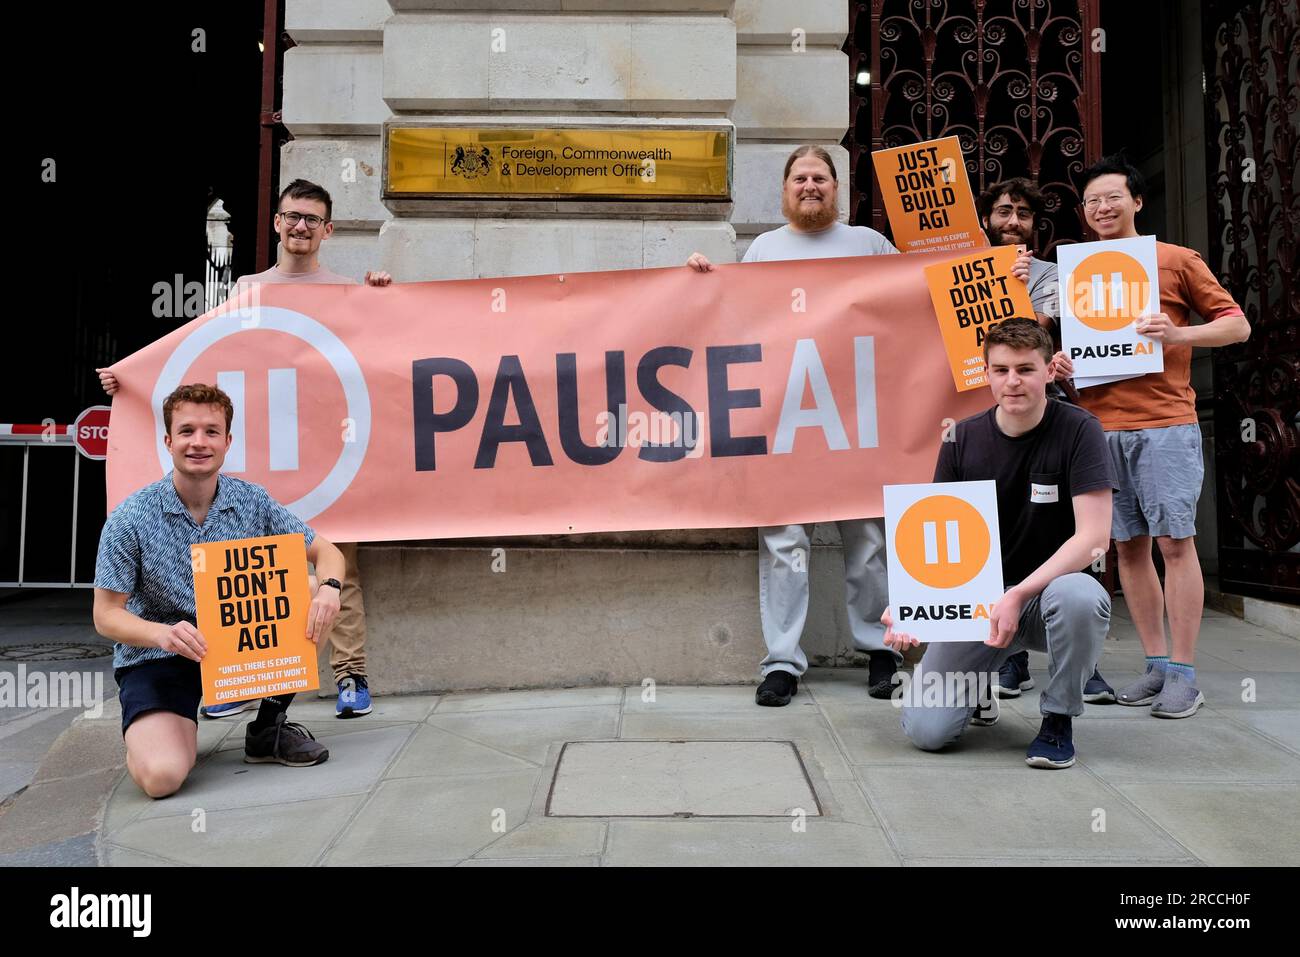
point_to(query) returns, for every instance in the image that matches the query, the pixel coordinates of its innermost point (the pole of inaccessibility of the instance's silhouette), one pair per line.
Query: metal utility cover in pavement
(680, 779)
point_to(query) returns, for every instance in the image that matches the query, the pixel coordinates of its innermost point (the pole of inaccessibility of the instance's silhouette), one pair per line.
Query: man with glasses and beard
(1009, 213)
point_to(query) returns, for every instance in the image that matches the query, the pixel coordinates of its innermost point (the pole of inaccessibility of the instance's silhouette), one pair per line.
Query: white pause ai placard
(945, 559)
(1105, 288)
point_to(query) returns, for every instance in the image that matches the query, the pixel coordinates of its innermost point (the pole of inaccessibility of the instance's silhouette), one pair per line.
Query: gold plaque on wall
(625, 164)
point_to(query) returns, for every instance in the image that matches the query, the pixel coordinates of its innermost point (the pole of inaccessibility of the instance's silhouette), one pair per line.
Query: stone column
(334, 107)
(792, 83)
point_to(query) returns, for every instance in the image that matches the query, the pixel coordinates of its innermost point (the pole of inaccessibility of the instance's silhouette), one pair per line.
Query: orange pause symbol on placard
(1109, 290)
(942, 541)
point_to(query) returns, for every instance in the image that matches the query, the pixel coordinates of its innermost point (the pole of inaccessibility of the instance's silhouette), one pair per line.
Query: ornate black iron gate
(1252, 68)
(1017, 80)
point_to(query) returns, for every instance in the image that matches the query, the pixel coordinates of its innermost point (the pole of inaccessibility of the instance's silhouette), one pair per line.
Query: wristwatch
(333, 583)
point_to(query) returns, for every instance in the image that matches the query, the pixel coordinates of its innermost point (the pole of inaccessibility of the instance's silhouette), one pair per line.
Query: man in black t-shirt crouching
(1054, 482)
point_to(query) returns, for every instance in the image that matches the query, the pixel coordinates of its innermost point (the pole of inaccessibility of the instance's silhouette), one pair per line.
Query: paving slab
(1199, 749)
(55, 811)
(413, 820)
(25, 745)
(76, 851)
(125, 803)
(224, 781)
(436, 751)
(548, 838)
(386, 708)
(1248, 825)
(833, 686)
(114, 856)
(955, 812)
(1282, 727)
(808, 730)
(531, 733)
(986, 862)
(705, 843)
(323, 730)
(533, 862)
(282, 835)
(213, 735)
(725, 700)
(847, 802)
(1028, 705)
(97, 746)
(1264, 657)
(873, 736)
(530, 700)
(1248, 690)
(680, 778)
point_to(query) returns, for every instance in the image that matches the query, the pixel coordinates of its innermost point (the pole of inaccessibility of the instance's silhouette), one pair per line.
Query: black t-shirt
(1037, 473)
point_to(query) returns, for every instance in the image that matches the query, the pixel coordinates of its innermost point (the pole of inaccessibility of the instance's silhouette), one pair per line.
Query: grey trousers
(1068, 620)
(783, 566)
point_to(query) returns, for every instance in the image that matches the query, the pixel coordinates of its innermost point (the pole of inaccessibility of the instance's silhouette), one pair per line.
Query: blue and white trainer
(1097, 690)
(354, 697)
(229, 709)
(1013, 676)
(1054, 746)
(986, 713)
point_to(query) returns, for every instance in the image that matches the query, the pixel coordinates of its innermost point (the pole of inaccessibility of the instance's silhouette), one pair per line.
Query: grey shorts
(1159, 473)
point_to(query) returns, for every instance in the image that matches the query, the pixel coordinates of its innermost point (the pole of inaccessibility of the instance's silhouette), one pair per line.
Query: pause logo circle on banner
(942, 541)
(1109, 290)
(339, 464)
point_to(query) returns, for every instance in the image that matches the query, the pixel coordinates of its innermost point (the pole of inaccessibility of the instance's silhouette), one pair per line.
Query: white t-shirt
(837, 240)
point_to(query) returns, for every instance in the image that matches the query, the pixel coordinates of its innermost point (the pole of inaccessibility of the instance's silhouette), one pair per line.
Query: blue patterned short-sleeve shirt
(144, 550)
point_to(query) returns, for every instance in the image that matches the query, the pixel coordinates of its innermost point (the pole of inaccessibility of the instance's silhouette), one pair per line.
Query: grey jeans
(783, 565)
(1068, 620)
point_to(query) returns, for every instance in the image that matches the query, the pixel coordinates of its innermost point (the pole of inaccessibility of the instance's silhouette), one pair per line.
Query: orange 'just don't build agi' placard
(251, 596)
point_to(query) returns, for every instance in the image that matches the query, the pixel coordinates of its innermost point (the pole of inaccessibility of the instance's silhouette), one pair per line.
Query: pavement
(682, 775)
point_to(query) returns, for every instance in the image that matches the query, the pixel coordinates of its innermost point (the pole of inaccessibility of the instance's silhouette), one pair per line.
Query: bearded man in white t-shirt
(808, 202)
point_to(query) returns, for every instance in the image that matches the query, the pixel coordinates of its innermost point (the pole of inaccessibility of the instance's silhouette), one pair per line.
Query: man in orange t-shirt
(1155, 444)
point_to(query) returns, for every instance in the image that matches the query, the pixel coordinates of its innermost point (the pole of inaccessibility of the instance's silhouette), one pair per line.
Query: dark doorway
(133, 121)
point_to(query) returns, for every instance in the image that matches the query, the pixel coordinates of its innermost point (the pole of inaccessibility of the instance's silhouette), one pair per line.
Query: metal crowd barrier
(43, 436)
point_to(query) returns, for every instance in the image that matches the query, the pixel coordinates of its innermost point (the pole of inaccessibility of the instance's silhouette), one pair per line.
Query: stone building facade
(671, 606)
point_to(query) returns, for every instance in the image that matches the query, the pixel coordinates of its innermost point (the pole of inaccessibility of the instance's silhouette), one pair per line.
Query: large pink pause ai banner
(756, 394)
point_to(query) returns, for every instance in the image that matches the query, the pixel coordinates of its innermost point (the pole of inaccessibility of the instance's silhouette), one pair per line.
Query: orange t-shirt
(1159, 399)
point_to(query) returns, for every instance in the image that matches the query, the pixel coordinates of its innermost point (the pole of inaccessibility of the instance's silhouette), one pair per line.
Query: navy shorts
(160, 684)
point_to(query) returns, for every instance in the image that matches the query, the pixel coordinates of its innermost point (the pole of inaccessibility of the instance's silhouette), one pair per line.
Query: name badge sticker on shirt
(1044, 494)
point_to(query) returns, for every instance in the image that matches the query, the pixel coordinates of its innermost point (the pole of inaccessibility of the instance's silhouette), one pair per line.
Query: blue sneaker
(354, 697)
(1097, 691)
(229, 708)
(1013, 676)
(1054, 746)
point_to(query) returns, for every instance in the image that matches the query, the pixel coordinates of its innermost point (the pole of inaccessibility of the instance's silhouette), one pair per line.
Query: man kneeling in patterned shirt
(144, 596)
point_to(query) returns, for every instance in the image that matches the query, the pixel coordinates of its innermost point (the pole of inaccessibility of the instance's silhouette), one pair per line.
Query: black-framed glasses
(293, 218)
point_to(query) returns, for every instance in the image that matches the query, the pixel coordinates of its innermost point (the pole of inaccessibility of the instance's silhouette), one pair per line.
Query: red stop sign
(90, 432)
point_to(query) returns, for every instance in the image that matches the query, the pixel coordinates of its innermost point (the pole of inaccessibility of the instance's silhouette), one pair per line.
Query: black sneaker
(880, 674)
(1013, 676)
(1054, 746)
(986, 713)
(777, 689)
(283, 743)
(1097, 691)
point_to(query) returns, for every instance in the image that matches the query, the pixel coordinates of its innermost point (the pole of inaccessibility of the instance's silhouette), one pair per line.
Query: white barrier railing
(43, 436)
